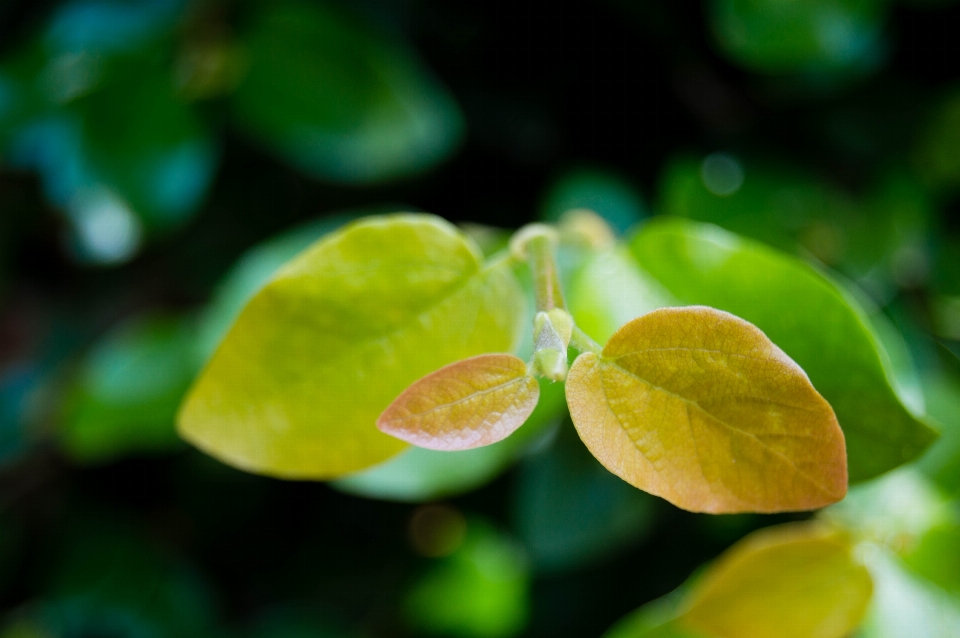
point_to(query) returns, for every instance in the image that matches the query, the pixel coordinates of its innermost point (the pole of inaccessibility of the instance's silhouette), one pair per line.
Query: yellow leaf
(467, 404)
(699, 407)
(791, 581)
(295, 388)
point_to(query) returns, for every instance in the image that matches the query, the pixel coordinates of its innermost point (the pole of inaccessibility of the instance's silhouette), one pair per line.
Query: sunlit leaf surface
(699, 407)
(467, 404)
(297, 385)
(814, 321)
(418, 474)
(786, 582)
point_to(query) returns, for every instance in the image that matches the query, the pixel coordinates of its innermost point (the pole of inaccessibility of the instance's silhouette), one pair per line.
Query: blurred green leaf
(894, 510)
(143, 141)
(814, 321)
(776, 205)
(942, 461)
(904, 605)
(18, 385)
(419, 475)
(657, 619)
(603, 192)
(124, 397)
(879, 239)
(825, 36)
(109, 25)
(362, 314)
(935, 556)
(796, 580)
(480, 591)
(936, 155)
(100, 120)
(608, 290)
(791, 581)
(338, 100)
(109, 582)
(570, 511)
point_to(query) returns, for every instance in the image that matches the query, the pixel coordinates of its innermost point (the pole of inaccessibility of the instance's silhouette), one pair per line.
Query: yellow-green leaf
(467, 404)
(792, 581)
(699, 407)
(297, 385)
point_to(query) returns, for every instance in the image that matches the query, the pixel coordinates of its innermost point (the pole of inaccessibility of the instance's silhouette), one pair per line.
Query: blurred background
(159, 158)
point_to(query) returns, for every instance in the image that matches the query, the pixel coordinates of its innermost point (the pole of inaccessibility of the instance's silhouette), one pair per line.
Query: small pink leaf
(467, 404)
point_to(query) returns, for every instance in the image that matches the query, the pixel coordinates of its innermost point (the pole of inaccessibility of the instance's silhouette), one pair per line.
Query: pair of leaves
(340, 331)
(793, 581)
(691, 404)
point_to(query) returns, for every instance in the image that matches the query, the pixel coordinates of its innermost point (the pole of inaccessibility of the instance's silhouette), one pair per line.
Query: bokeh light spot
(436, 530)
(721, 174)
(107, 230)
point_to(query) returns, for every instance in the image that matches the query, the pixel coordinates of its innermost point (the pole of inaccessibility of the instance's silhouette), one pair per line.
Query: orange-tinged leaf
(697, 406)
(467, 404)
(791, 581)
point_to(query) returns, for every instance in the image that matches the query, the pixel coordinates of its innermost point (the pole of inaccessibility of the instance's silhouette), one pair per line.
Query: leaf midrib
(712, 417)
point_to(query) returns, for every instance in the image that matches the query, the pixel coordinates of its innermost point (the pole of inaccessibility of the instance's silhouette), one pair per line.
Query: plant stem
(546, 277)
(581, 341)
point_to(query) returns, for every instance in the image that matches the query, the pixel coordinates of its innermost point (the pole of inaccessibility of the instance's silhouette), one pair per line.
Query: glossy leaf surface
(253, 271)
(794, 581)
(297, 385)
(814, 321)
(467, 404)
(699, 407)
(418, 474)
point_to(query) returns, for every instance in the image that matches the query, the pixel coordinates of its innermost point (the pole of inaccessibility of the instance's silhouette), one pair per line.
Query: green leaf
(657, 619)
(125, 395)
(905, 605)
(117, 150)
(813, 320)
(480, 591)
(418, 474)
(936, 153)
(571, 512)
(699, 407)
(896, 509)
(812, 36)
(935, 556)
(297, 385)
(942, 462)
(337, 100)
(608, 290)
(144, 142)
(608, 195)
(792, 581)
